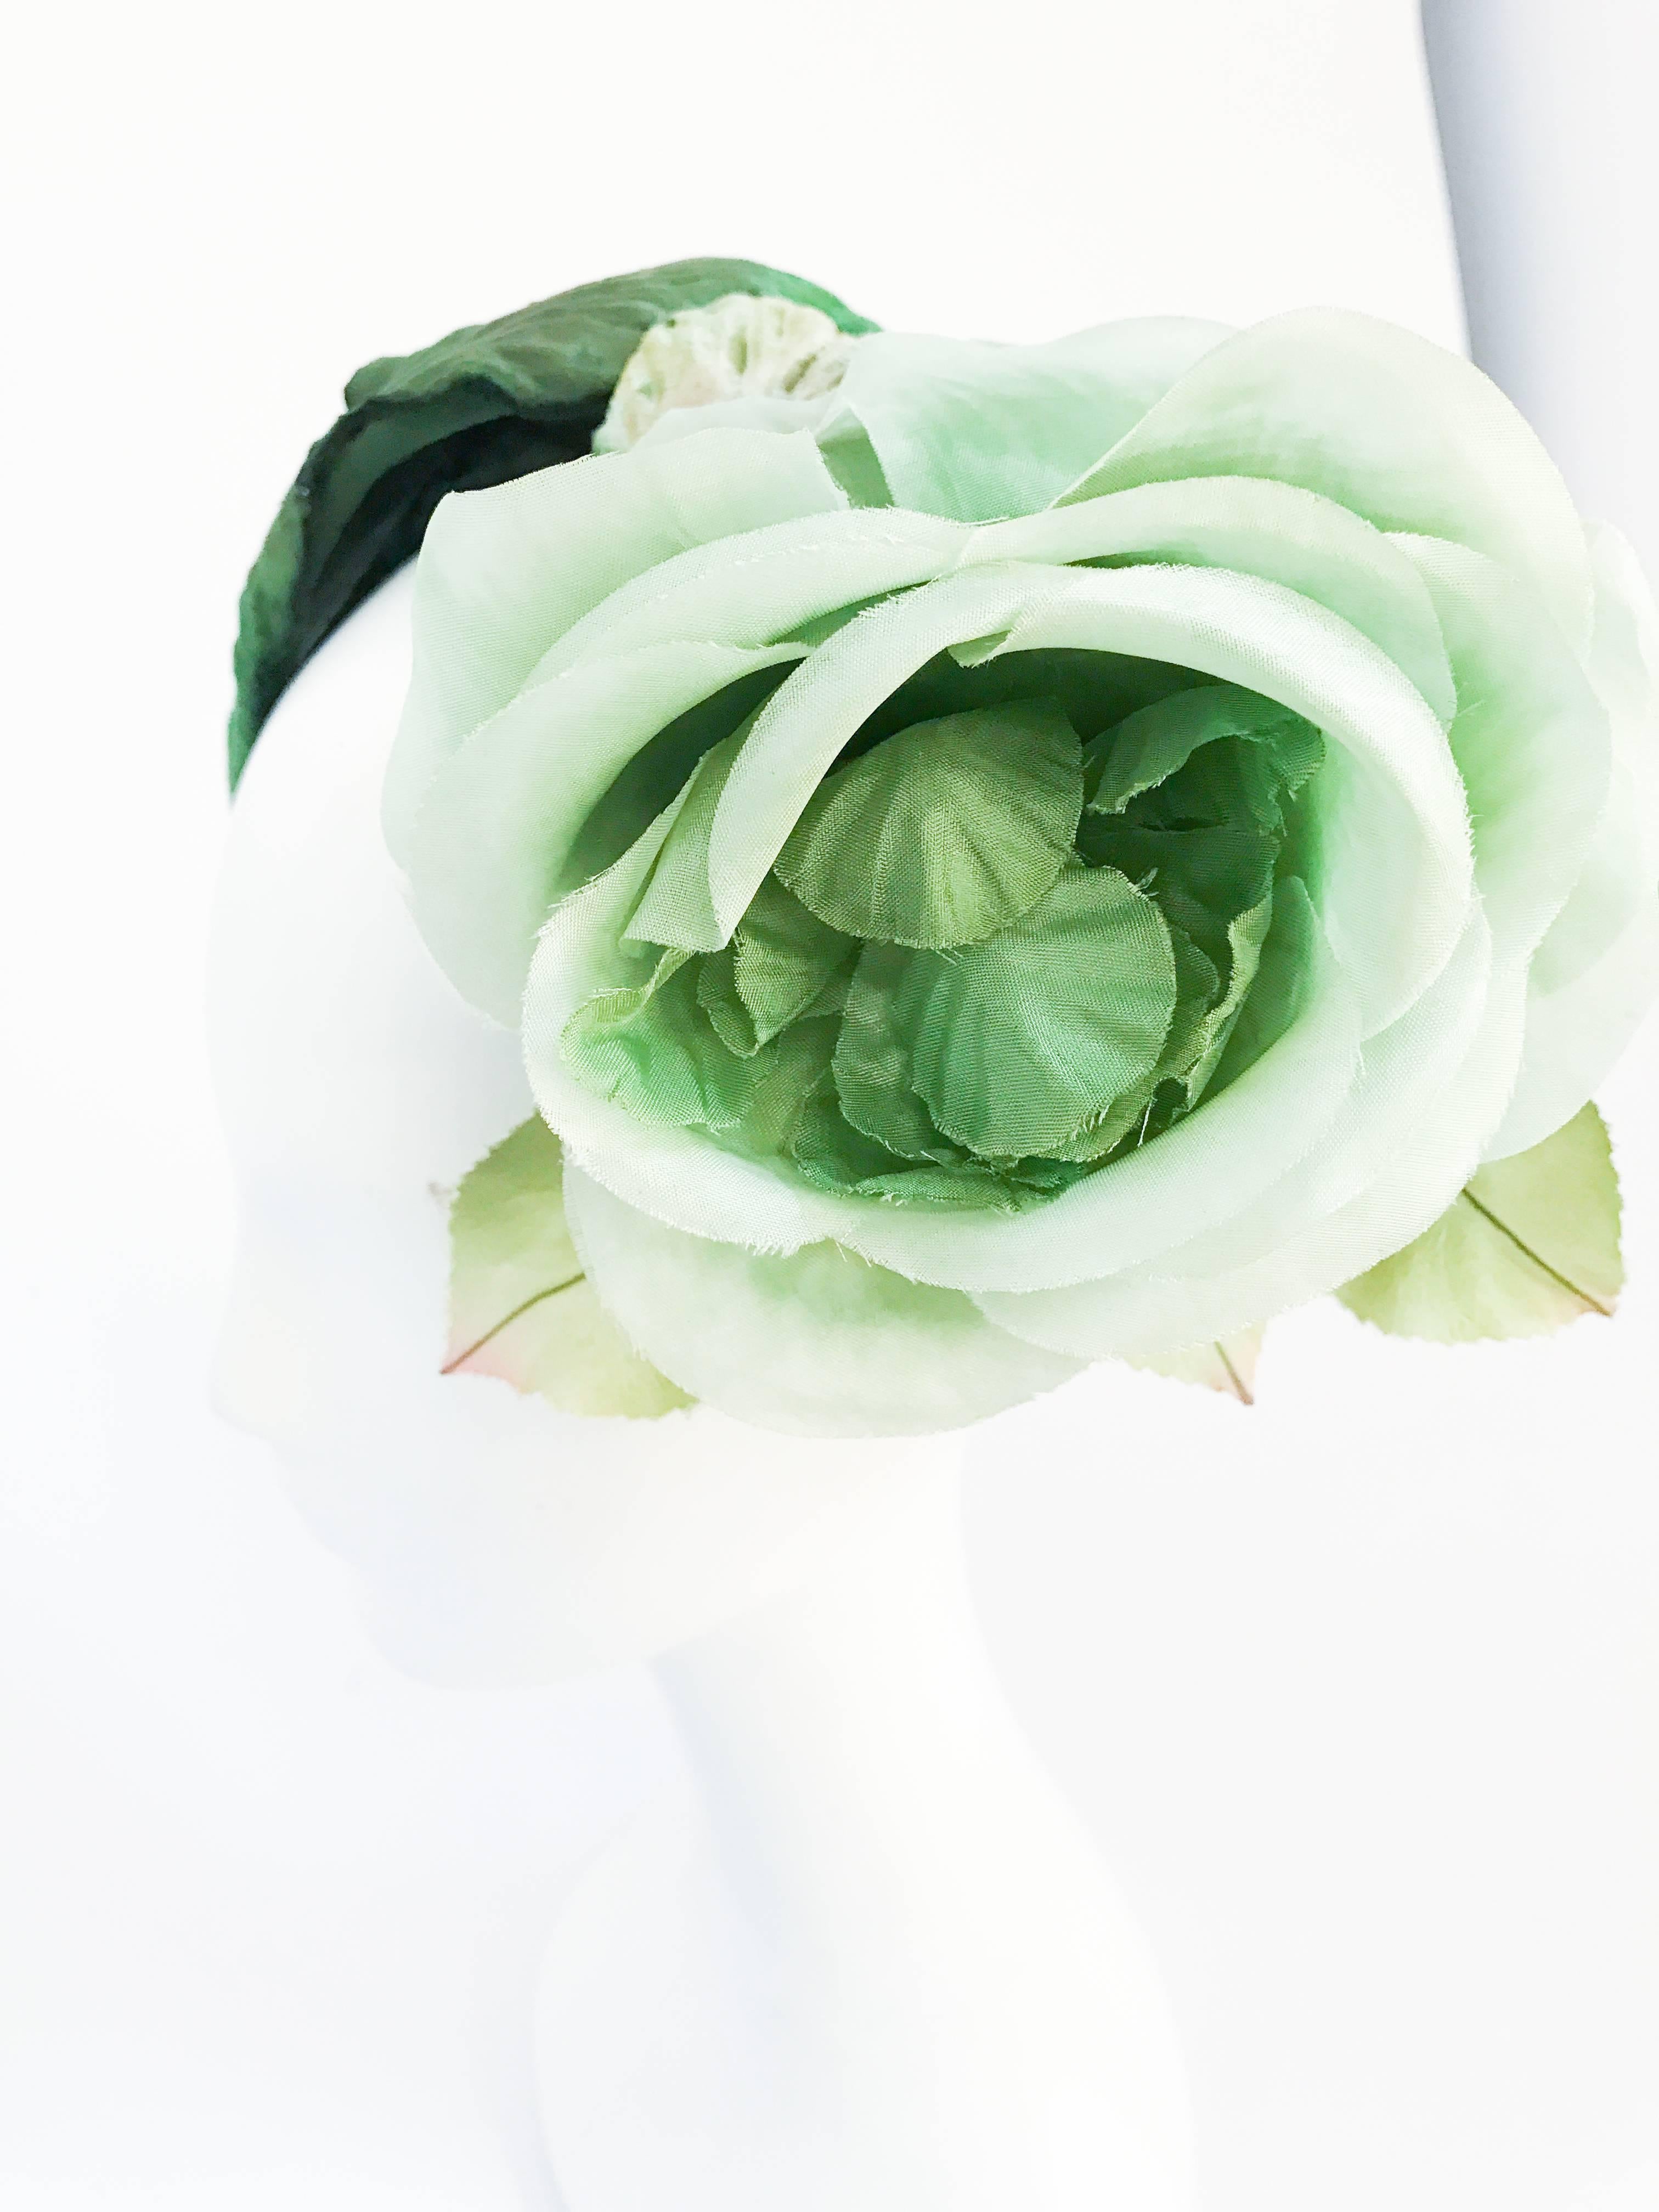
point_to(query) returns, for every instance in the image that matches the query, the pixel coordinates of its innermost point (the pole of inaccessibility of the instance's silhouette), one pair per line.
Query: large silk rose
(1034, 852)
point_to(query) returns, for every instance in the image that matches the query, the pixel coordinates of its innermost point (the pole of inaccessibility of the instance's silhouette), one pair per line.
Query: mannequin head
(495, 1537)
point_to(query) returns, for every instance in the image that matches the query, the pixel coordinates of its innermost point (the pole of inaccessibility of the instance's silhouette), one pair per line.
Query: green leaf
(1530, 1245)
(487, 403)
(1018, 1041)
(1227, 1366)
(521, 1306)
(946, 832)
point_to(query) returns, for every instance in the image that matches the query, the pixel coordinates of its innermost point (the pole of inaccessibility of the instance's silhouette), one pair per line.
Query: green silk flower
(1002, 856)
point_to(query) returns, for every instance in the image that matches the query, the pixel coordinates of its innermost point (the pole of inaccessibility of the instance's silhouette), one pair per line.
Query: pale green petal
(651, 1047)
(819, 1343)
(520, 1306)
(1200, 878)
(1246, 934)
(1531, 740)
(1597, 971)
(661, 1168)
(1244, 1139)
(1576, 1030)
(800, 733)
(766, 585)
(505, 572)
(835, 1156)
(873, 1071)
(502, 818)
(1405, 433)
(1530, 1243)
(1407, 1138)
(1209, 1167)
(1198, 989)
(967, 427)
(944, 832)
(792, 1067)
(774, 412)
(1019, 1040)
(779, 966)
(674, 908)
(1156, 741)
(1394, 874)
(1275, 531)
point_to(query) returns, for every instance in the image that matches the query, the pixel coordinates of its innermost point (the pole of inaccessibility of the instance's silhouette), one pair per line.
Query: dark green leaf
(486, 403)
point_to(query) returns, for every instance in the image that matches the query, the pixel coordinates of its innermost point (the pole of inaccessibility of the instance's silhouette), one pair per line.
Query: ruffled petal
(503, 573)
(1400, 431)
(1597, 970)
(1531, 740)
(966, 428)
(1260, 528)
(1408, 1139)
(1395, 867)
(950, 829)
(1245, 1136)
(763, 585)
(491, 845)
(799, 734)
(818, 1343)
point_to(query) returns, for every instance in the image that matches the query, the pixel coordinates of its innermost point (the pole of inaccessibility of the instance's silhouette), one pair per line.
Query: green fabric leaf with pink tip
(521, 1306)
(1530, 1243)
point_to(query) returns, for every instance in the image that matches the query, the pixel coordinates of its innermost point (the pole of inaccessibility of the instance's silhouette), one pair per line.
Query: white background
(1360, 1691)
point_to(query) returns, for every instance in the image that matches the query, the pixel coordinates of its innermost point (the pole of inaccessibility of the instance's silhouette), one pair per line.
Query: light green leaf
(1227, 1366)
(1530, 1245)
(946, 831)
(1020, 1040)
(521, 1306)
